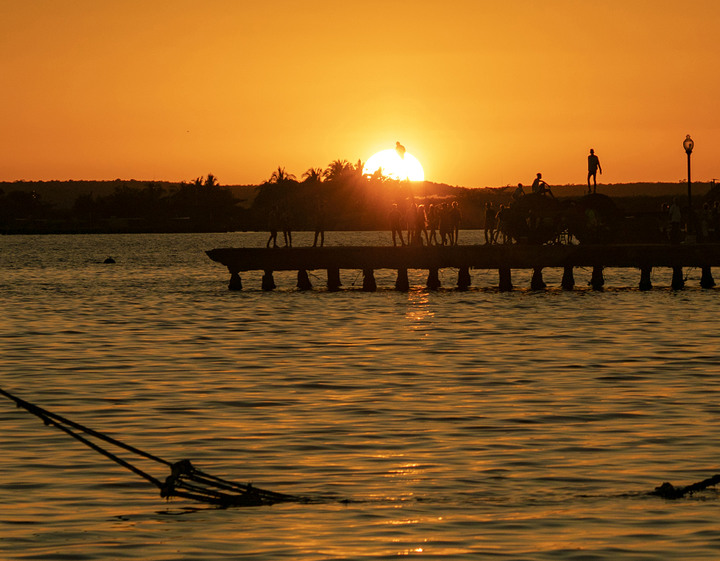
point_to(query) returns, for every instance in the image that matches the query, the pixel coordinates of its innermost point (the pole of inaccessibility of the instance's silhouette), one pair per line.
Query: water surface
(446, 425)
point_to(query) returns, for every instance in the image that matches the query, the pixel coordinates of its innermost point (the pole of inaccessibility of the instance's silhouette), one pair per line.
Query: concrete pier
(502, 258)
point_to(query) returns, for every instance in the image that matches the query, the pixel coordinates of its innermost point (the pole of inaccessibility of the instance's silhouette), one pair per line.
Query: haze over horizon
(482, 93)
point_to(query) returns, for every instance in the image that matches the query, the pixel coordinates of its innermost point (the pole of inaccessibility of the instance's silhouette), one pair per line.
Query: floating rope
(185, 480)
(669, 491)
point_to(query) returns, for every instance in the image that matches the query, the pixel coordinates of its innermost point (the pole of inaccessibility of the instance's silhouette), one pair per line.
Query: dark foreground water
(445, 425)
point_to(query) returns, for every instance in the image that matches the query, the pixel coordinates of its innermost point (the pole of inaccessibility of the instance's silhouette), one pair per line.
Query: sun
(395, 166)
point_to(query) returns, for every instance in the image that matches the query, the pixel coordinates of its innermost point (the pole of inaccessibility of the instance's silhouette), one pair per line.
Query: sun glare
(395, 166)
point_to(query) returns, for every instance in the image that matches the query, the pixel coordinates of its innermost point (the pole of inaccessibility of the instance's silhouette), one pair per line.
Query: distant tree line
(199, 205)
(351, 201)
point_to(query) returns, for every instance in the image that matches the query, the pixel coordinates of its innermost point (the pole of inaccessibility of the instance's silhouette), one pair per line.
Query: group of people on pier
(280, 219)
(704, 224)
(434, 224)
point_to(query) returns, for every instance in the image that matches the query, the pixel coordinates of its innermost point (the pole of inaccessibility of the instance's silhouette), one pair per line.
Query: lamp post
(688, 144)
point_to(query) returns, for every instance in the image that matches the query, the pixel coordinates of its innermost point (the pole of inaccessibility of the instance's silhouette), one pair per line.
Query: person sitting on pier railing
(519, 192)
(540, 187)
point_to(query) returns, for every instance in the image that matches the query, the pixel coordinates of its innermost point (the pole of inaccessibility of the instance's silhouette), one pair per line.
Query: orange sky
(483, 93)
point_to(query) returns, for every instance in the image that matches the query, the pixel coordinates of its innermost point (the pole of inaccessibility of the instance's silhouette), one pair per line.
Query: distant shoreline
(64, 193)
(119, 206)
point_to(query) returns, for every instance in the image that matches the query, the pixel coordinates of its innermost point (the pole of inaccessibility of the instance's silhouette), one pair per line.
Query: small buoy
(109, 260)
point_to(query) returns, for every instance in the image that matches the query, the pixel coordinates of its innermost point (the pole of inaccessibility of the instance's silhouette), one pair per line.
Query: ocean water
(437, 425)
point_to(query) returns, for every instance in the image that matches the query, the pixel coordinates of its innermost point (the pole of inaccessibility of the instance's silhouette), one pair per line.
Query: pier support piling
(678, 282)
(505, 280)
(235, 282)
(645, 281)
(369, 284)
(433, 280)
(402, 283)
(268, 282)
(537, 282)
(568, 279)
(597, 280)
(707, 280)
(464, 280)
(303, 281)
(333, 280)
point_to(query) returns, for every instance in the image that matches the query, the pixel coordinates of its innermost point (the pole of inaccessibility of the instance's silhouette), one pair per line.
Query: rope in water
(185, 480)
(669, 491)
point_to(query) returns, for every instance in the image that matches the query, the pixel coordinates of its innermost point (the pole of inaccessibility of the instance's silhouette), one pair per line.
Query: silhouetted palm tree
(359, 168)
(337, 170)
(281, 176)
(211, 180)
(313, 175)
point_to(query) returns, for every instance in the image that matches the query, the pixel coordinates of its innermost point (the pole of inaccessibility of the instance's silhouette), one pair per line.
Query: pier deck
(504, 258)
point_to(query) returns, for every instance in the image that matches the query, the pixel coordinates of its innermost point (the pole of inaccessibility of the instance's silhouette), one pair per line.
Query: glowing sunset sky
(481, 92)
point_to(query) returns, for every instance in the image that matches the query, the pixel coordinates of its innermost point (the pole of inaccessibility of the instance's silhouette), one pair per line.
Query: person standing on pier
(432, 223)
(500, 225)
(421, 224)
(489, 223)
(319, 224)
(444, 223)
(675, 216)
(396, 224)
(273, 226)
(286, 228)
(593, 168)
(455, 219)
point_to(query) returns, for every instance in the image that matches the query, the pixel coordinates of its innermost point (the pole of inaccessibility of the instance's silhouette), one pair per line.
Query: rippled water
(445, 425)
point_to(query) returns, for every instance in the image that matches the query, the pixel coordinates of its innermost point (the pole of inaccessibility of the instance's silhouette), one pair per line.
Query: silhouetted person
(432, 224)
(489, 223)
(395, 224)
(421, 224)
(444, 224)
(319, 224)
(705, 221)
(400, 149)
(273, 220)
(410, 223)
(286, 228)
(675, 216)
(539, 186)
(519, 192)
(455, 219)
(593, 168)
(501, 224)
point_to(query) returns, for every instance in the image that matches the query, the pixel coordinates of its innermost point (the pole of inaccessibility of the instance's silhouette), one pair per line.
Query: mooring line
(44, 414)
(185, 480)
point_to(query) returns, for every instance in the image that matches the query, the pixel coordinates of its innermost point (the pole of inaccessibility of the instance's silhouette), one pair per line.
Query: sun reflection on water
(418, 310)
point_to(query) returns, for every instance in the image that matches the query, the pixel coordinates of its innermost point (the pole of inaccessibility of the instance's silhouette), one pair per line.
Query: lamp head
(688, 144)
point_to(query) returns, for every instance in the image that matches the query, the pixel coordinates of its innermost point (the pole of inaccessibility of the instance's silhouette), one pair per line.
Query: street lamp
(688, 144)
